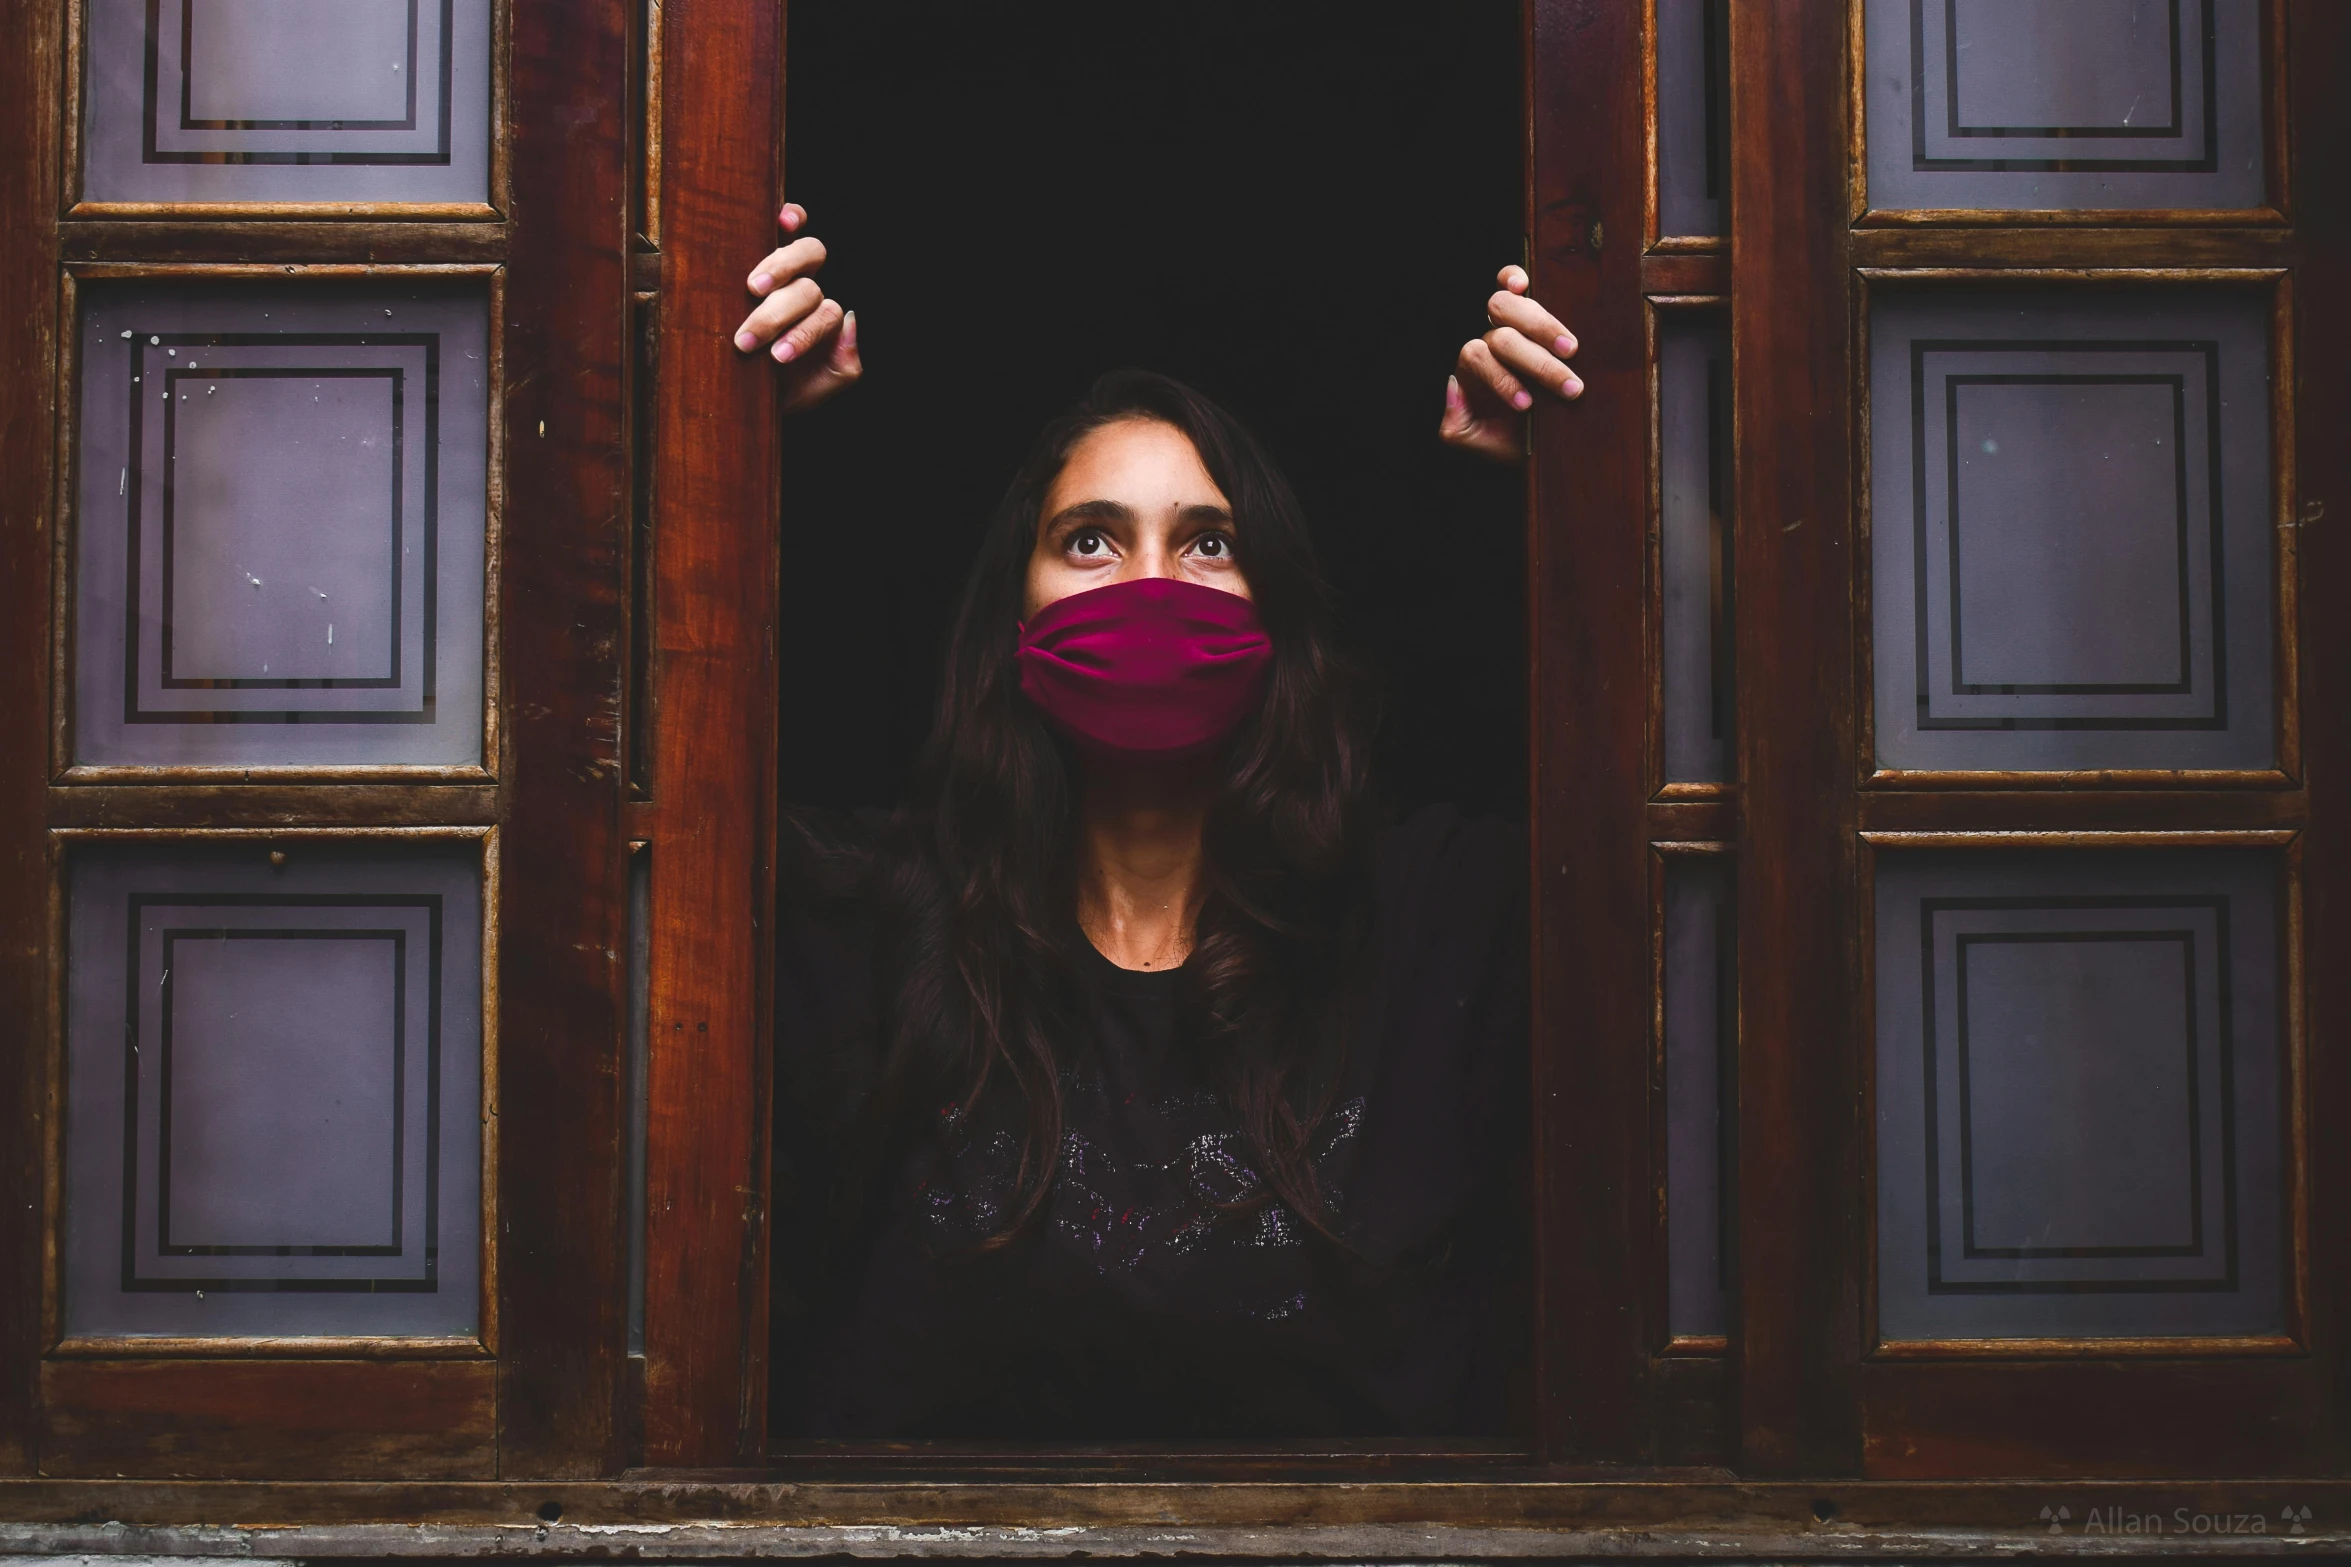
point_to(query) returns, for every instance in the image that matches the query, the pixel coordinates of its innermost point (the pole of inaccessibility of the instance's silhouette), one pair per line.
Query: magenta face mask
(1153, 668)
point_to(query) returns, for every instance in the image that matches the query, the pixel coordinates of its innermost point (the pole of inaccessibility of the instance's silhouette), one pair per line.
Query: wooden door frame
(546, 788)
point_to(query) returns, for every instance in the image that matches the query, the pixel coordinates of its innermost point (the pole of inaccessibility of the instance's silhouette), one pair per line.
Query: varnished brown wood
(2237, 1417)
(714, 745)
(1795, 1333)
(1587, 716)
(2074, 248)
(563, 904)
(317, 1420)
(2215, 1406)
(2080, 809)
(274, 805)
(1692, 819)
(2319, 39)
(1686, 274)
(645, 115)
(231, 1348)
(29, 72)
(282, 211)
(172, 240)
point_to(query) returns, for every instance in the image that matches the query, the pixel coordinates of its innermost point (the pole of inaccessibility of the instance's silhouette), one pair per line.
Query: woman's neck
(1140, 882)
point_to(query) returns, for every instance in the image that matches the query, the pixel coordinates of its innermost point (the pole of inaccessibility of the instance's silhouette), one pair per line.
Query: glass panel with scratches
(2079, 1094)
(267, 101)
(1693, 117)
(1701, 1052)
(274, 1090)
(280, 525)
(1694, 543)
(2064, 105)
(2070, 519)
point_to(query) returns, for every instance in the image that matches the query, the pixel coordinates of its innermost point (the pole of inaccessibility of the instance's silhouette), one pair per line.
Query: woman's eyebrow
(1203, 515)
(1090, 511)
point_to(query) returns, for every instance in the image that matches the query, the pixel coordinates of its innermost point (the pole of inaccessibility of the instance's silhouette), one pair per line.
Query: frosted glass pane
(287, 100)
(2064, 104)
(2078, 1094)
(280, 526)
(2070, 521)
(1701, 1032)
(273, 1119)
(1693, 115)
(1694, 544)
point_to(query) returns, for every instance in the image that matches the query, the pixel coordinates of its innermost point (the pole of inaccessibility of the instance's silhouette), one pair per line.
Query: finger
(1531, 363)
(846, 360)
(1513, 278)
(1480, 370)
(843, 363)
(793, 218)
(1495, 439)
(1456, 421)
(840, 369)
(801, 258)
(777, 312)
(1531, 319)
(813, 329)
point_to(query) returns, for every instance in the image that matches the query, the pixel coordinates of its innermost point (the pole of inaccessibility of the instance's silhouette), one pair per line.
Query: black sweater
(1160, 1293)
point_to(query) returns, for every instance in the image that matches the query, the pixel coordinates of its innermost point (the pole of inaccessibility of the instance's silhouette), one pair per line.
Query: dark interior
(1297, 208)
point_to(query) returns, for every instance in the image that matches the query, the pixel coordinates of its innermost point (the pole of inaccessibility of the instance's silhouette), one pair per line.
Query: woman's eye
(1088, 543)
(1214, 546)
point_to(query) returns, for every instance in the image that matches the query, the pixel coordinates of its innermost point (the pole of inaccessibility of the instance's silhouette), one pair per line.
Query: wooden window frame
(1634, 1435)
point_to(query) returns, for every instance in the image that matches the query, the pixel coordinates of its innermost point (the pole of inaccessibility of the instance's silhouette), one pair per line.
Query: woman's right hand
(811, 339)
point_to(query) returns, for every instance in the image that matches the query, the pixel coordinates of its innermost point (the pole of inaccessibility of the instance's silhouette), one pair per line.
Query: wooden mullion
(2080, 810)
(1588, 692)
(2319, 39)
(1706, 273)
(1691, 821)
(30, 75)
(2064, 248)
(275, 805)
(122, 240)
(711, 821)
(1793, 1344)
(562, 915)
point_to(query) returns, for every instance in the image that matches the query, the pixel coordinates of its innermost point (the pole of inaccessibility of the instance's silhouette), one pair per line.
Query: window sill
(706, 1517)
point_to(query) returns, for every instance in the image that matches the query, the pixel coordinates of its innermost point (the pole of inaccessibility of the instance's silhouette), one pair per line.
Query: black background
(1298, 208)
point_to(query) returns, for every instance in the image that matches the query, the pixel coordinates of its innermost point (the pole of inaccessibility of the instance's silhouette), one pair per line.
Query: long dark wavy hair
(979, 877)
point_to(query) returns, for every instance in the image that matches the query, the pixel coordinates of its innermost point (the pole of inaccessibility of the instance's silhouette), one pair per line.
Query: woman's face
(1133, 500)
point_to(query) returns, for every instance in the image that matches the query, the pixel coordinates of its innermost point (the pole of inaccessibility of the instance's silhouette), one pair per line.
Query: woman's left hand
(1497, 377)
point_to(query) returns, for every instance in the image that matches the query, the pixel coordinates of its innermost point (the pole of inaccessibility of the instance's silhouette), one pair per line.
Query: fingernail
(760, 281)
(1523, 400)
(784, 352)
(1574, 388)
(1562, 345)
(745, 340)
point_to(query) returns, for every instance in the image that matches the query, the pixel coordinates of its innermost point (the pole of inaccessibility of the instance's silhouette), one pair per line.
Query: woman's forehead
(1143, 464)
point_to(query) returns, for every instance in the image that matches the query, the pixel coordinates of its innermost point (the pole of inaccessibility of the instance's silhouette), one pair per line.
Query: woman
(1135, 1079)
